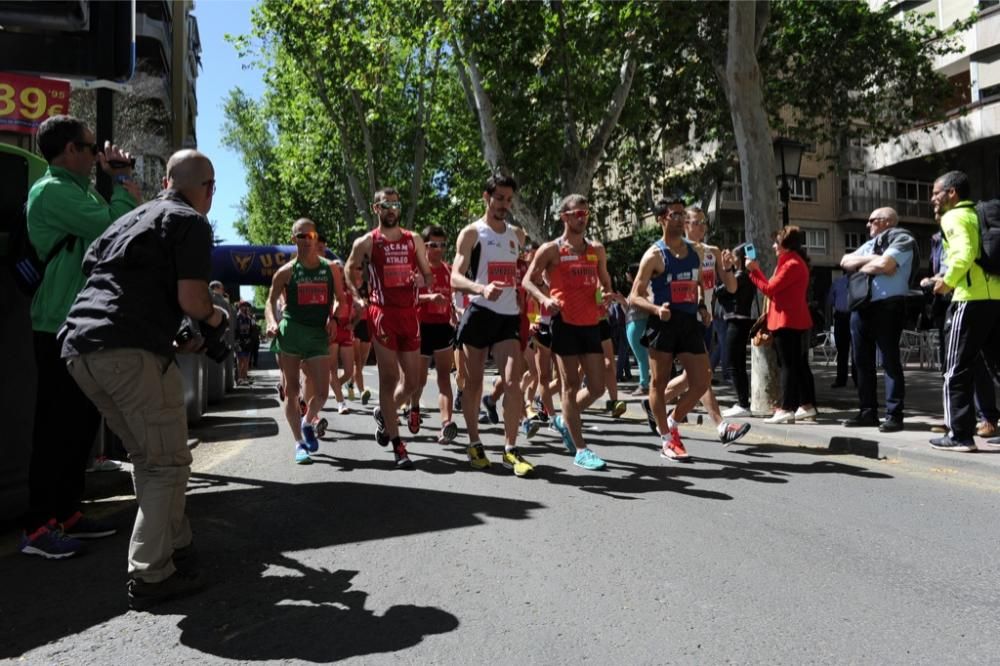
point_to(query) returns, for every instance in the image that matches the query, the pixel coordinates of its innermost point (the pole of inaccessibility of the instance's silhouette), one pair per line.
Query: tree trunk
(741, 81)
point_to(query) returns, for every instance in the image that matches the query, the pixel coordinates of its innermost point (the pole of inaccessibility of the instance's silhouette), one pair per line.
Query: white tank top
(494, 259)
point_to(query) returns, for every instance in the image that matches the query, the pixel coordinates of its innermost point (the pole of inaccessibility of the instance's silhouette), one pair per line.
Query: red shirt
(390, 271)
(574, 282)
(787, 291)
(437, 312)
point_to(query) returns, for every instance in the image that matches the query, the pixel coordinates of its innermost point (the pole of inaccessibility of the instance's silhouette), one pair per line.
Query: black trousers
(65, 427)
(879, 326)
(737, 337)
(797, 386)
(842, 338)
(972, 327)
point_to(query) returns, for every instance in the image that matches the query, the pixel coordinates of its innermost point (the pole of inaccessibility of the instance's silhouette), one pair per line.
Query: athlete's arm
(424, 266)
(464, 246)
(360, 252)
(278, 284)
(650, 266)
(602, 273)
(544, 257)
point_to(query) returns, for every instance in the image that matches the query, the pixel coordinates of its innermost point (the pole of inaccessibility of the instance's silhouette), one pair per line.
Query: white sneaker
(781, 417)
(801, 413)
(342, 408)
(736, 412)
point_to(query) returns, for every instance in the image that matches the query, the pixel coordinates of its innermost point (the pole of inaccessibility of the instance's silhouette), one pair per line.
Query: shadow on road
(262, 602)
(229, 428)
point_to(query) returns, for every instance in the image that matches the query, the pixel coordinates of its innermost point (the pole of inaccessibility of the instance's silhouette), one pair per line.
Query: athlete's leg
(507, 354)
(346, 364)
(388, 381)
(423, 369)
(679, 385)
(442, 364)
(361, 351)
(610, 380)
(334, 364)
(544, 362)
(317, 371)
(661, 364)
(289, 366)
(699, 382)
(475, 362)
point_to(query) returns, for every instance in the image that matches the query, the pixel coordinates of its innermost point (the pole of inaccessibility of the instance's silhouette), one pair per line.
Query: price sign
(25, 101)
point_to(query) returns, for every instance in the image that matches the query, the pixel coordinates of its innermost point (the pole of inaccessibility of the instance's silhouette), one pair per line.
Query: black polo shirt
(132, 269)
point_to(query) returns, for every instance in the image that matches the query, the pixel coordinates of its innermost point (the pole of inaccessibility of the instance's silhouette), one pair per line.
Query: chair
(910, 345)
(825, 349)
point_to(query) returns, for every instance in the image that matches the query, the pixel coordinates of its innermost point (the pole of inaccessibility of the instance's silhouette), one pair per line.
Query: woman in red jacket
(789, 319)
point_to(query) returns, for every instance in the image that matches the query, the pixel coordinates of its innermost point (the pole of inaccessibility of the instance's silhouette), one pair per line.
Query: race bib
(397, 275)
(502, 271)
(312, 293)
(708, 279)
(684, 291)
(581, 275)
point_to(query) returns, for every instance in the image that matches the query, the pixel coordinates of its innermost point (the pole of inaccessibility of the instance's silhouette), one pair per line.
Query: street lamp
(788, 157)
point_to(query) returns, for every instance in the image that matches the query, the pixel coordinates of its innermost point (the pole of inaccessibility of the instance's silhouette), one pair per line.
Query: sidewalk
(923, 410)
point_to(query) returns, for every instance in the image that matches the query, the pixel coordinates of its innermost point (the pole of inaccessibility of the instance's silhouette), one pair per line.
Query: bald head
(192, 174)
(880, 220)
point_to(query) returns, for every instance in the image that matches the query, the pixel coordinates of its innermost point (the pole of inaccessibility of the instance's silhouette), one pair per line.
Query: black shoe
(946, 443)
(838, 384)
(649, 417)
(381, 437)
(862, 420)
(143, 595)
(491, 410)
(891, 425)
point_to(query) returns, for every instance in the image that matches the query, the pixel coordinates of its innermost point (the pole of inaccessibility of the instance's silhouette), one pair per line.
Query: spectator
(244, 342)
(254, 339)
(64, 209)
(888, 258)
(146, 272)
(973, 321)
(836, 299)
(737, 308)
(789, 320)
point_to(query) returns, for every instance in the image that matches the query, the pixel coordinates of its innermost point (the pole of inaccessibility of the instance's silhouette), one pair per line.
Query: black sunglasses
(93, 147)
(209, 183)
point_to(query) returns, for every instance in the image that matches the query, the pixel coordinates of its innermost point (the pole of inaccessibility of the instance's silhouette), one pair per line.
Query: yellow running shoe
(512, 460)
(477, 456)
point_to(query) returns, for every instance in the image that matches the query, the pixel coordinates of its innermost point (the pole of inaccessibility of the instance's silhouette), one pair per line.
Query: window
(852, 241)
(816, 241)
(802, 189)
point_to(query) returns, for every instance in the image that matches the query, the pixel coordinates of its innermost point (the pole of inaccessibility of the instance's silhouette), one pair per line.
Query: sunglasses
(92, 147)
(306, 235)
(436, 245)
(387, 205)
(578, 214)
(209, 183)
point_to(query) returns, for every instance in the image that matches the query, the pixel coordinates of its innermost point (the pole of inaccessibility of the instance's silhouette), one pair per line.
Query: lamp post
(788, 158)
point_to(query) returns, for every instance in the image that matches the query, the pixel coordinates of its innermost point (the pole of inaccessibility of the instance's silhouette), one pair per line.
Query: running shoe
(380, 435)
(310, 441)
(342, 408)
(649, 417)
(673, 447)
(560, 425)
(399, 451)
(78, 526)
(321, 427)
(541, 415)
(457, 405)
(449, 431)
(491, 410)
(366, 395)
(512, 459)
(733, 432)
(616, 407)
(350, 391)
(50, 542)
(530, 427)
(413, 421)
(538, 404)
(302, 455)
(477, 456)
(587, 459)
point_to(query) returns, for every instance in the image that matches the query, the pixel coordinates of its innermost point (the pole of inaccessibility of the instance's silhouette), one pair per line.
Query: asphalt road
(749, 554)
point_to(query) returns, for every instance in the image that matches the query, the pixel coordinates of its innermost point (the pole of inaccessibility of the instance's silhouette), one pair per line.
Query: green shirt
(63, 203)
(309, 294)
(960, 235)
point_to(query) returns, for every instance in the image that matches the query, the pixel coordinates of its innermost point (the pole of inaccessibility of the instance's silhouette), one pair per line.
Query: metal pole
(104, 132)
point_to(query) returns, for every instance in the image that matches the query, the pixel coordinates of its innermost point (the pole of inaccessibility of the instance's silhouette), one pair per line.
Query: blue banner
(251, 264)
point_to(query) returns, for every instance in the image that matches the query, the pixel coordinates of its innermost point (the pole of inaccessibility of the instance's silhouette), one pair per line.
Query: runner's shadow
(231, 428)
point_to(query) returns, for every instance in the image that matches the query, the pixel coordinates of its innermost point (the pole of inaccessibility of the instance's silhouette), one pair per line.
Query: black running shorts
(482, 328)
(435, 338)
(570, 340)
(682, 334)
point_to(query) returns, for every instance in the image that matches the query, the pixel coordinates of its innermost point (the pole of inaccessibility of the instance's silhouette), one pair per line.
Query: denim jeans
(879, 326)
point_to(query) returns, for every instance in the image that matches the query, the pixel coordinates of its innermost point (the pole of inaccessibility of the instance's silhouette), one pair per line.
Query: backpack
(988, 213)
(26, 266)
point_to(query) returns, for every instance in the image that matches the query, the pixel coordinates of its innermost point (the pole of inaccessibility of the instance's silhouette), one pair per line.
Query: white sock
(722, 427)
(509, 447)
(671, 424)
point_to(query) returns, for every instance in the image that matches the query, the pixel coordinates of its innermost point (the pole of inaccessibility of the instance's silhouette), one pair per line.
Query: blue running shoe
(529, 427)
(50, 542)
(587, 459)
(560, 425)
(302, 455)
(310, 441)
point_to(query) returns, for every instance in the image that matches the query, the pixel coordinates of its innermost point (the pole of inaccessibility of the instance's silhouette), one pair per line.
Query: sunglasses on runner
(436, 245)
(304, 235)
(386, 205)
(578, 214)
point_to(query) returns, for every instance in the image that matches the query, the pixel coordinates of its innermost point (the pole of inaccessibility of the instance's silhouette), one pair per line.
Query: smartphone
(750, 251)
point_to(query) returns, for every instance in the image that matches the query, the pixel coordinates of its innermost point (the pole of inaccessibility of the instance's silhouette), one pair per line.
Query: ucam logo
(242, 261)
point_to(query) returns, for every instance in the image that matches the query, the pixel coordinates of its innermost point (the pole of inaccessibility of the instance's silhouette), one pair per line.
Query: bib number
(397, 275)
(502, 271)
(312, 293)
(708, 279)
(582, 275)
(683, 291)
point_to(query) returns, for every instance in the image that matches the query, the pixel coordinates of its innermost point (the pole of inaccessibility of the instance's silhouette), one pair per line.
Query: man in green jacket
(972, 325)
(65, 212)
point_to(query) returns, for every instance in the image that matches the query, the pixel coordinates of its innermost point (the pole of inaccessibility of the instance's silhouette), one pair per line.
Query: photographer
(64, 216)
(148, 270)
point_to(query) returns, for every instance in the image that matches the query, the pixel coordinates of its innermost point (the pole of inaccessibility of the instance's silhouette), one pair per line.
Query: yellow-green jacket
(960, 232)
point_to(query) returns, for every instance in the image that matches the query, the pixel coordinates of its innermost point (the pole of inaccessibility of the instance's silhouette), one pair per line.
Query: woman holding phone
(738, 308)
(789, 319)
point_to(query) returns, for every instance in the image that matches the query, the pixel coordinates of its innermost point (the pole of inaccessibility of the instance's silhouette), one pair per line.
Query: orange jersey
(573, 283)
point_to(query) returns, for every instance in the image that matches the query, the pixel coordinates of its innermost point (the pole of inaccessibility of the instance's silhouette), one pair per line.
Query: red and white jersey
(391, 270)
(494, 259)
(437, 312)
